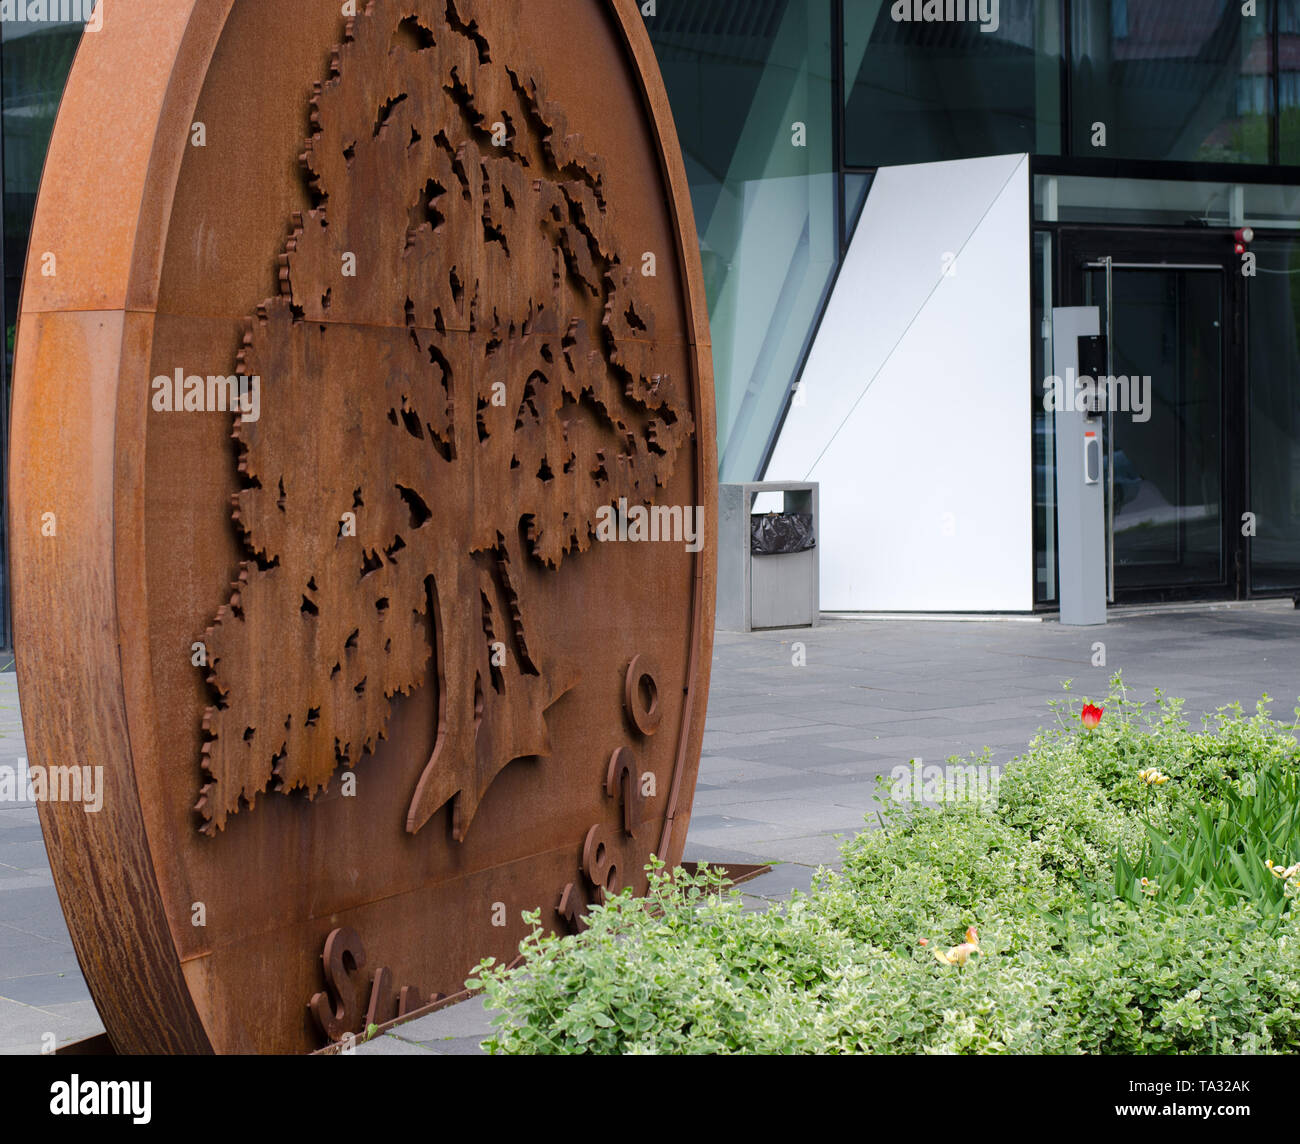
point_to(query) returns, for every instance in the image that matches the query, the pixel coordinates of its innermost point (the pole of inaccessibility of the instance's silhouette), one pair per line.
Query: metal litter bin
(768, 563)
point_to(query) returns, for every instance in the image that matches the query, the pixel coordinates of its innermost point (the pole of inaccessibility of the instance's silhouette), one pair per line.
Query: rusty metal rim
(673, 168)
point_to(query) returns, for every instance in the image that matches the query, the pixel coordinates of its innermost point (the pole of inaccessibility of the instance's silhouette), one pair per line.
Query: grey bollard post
(1080, 470)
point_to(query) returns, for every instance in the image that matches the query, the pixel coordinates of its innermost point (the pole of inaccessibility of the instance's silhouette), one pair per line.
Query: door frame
(1178, 246)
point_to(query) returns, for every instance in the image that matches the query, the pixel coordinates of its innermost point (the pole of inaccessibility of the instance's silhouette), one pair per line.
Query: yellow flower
(1153, 777)
(959, 954)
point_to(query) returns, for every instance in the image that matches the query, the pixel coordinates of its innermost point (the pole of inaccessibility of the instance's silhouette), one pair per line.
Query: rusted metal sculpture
(362, 479)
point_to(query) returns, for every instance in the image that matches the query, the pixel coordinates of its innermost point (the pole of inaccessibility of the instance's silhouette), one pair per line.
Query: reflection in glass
(1168, 445)
(857, 184)
(922, 91)
(750, 87)
(1171, 79)
(1288, 79)
(1274, 347)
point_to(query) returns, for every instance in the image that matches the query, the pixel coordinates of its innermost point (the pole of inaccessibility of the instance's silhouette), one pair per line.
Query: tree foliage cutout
(457, 360)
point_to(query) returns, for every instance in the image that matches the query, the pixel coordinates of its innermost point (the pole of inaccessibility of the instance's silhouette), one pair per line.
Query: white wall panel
(914, 412)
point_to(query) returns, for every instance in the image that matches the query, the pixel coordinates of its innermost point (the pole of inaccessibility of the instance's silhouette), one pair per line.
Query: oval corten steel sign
(361, 500)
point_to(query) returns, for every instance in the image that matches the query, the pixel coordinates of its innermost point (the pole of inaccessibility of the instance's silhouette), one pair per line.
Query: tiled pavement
(41, 988)
(791, 754)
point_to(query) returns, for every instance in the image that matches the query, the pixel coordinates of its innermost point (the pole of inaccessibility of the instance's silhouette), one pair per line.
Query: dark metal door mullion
(1110, 433)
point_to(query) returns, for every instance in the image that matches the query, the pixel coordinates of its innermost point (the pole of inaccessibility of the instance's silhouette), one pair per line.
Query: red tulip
(1091, 715)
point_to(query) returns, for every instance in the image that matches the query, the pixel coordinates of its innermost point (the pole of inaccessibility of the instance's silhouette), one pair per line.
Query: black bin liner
(781, 533)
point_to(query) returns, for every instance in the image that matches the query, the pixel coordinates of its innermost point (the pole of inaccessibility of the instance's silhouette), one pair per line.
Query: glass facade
(919, 90)
(750, 86)
(785, 109)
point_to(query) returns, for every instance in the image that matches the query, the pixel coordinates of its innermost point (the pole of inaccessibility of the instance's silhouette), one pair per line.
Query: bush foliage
(1120, 890)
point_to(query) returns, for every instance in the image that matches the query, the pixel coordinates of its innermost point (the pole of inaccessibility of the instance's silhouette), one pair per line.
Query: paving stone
(44, 989)
(722, 855)
(457, 1047)
(16, 829)
(780, 880)
(23, 855)
(469, 1018)
(389, 1046)
(704, 823)
(34, 910)
(721, 770)
(802, 815)
(23, 1028)
(11, 879)
(807, 849)
(25, 952)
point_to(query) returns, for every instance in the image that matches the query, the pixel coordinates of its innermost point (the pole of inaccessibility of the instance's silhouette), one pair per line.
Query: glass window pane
(1044, 425)
(750, 87)
(921, 89)
(1274, 346)
(1288, 80)
(1167, 331)
(857, 184)
(1145, 202)
(37, 59)
(1171, 79)
(37, 56)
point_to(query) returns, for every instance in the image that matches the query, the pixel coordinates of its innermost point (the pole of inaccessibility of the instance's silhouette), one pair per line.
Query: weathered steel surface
(365, 672)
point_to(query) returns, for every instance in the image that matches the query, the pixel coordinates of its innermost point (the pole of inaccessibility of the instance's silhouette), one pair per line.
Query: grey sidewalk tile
(469, 1018)
(866, 766)
(763, 838)
(457, 1047)
(719, 855)
(800, 754)
(740, 794)
(45, 989)
(768, 720)
(23, 1028)
(713, 823)
(25, 956)
(16, 942)
(22, 880)
(780, 880)
(35, 910)
(807, 849)
(390, 1046)
(722, 770)
(16, 829)
(862, 715)
(803, 815)
(23, 855)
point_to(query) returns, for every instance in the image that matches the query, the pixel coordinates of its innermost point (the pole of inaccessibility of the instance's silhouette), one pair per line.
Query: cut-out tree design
(455, 378)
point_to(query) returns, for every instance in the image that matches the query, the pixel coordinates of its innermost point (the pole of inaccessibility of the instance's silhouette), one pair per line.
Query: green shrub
(1076, 954)
(1225, 846)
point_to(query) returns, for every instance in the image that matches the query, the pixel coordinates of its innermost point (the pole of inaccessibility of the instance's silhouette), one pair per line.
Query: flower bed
(1131, 890)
